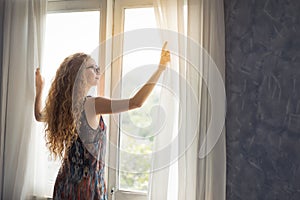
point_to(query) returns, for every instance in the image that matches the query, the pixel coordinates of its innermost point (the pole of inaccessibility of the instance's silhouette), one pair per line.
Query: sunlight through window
(134, 123)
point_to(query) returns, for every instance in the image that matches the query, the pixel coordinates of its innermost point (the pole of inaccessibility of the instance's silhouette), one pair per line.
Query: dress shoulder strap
(86, 98)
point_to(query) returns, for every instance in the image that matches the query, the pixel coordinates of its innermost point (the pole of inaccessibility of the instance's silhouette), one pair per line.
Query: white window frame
(106, 9)
(111, 23)
(116, 73)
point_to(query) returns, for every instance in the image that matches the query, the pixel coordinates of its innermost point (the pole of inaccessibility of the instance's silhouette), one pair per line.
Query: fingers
(165, 45)
(165, 53)
(38, 74)
(38, 71)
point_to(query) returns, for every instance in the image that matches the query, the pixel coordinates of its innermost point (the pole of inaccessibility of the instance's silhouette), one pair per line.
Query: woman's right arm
(39, 84)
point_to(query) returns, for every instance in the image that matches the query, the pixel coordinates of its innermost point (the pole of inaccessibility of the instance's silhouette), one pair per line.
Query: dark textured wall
(263, 94)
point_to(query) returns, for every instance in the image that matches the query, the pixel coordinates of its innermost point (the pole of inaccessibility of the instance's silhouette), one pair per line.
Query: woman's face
(92, 73)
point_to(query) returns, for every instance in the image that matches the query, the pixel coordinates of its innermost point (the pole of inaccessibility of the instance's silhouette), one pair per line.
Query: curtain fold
(168, 13)
(209, 32)
(24, 22)
(195, 149)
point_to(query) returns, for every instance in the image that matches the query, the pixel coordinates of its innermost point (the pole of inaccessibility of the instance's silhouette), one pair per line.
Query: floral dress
(81, 175)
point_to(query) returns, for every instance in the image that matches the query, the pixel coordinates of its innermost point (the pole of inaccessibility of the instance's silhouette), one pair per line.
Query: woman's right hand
(39, 81)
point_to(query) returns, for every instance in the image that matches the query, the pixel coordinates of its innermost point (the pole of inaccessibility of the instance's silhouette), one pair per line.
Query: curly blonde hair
(61, 114)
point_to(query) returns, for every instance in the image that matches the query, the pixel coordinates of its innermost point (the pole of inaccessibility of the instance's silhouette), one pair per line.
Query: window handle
(112, 190)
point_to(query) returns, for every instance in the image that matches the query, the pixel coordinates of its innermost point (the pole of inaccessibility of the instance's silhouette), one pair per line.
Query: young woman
(73, 129)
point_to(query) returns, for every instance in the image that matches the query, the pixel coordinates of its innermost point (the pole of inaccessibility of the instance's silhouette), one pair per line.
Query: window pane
(135, 135)
(68, 33)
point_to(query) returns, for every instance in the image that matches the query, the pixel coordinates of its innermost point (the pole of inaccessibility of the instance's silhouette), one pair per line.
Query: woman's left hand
(164, 57)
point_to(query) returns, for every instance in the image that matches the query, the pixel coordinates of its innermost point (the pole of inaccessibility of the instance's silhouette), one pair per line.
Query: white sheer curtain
(22, 52)
(189, 160)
